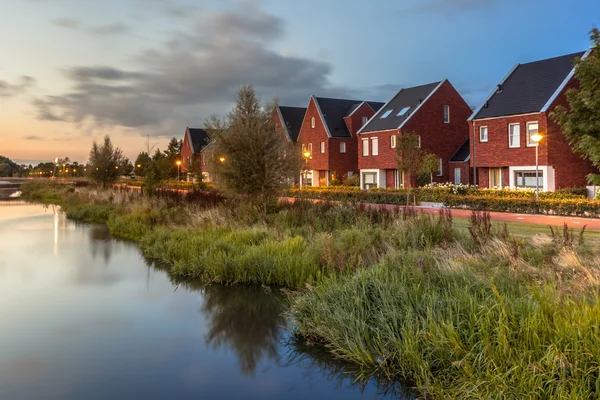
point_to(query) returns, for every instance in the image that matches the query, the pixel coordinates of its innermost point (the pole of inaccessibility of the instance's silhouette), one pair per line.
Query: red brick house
(328, 133)
(437, 113)
(502, 152)
(194, 140)
(288, 120)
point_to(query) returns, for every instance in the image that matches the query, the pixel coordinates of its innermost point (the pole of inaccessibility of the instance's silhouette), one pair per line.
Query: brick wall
(319, 161)
(186, 152)
(465, 172)
(387, 155)
(438, 137)
(278, 123)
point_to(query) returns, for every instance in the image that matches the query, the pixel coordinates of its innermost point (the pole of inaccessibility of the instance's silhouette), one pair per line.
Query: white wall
(547, 181)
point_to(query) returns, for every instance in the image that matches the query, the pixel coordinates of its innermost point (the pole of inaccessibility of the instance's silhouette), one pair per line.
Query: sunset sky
(72, 71)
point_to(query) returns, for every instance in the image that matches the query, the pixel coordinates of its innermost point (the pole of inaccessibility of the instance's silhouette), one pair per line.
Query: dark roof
(528, 88)
(375, 105)
(334, 111)
(462, 154)
(199, 138)
(292, 118)
(212, 145)
(408, 97)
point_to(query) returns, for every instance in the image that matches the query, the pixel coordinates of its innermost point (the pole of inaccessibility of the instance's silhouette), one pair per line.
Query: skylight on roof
(386, 114)
(403, 111)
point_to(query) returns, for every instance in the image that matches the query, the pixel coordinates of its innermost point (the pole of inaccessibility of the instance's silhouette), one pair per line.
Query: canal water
(85, 316)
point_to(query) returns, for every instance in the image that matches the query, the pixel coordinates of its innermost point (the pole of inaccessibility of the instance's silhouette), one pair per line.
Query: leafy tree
(430, 165)
(194, 169)
(156, 172)
(105, 161)
(581, 123)
(7, 166)
(256, 161)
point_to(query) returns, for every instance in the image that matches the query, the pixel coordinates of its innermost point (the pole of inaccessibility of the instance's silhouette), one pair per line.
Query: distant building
(194, 140)
(288, 120)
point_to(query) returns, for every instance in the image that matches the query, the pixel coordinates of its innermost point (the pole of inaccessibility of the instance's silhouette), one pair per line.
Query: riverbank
(459, 312)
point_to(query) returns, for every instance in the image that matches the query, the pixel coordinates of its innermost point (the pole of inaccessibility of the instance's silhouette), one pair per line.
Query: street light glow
(178, 163)
(536, 138)
(306, 154)
(222, 159)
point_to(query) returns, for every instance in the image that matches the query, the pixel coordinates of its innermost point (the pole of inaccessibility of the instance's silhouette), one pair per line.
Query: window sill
(514, 147)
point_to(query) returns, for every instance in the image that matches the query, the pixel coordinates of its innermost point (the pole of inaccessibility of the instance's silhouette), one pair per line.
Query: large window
(374, 146)
(526, 179)
(393, 139)
(369, 180)
(365, 143)
(322, 147)
(532, 129)
(446, 114)
(342, 147)
(496, 178)
(483, 134)
(514, 135)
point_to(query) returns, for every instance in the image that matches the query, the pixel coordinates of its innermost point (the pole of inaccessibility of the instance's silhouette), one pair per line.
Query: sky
(141, 71)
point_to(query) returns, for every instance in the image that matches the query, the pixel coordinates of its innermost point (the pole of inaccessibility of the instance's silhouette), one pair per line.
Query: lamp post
(536, 138)
(306, 156)
(178, 166)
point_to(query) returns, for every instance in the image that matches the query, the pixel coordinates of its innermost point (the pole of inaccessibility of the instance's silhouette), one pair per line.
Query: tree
(581, 122)
(256, 161)
(412, 160)
(431, 164)
(142, 162)
(156, 172)
(105, 161)
(173, 154)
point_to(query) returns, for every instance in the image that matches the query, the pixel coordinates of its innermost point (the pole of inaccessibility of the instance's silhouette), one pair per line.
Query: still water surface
(84, 316)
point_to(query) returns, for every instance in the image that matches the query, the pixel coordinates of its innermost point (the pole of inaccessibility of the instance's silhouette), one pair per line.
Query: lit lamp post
(178, 167)
(306, 156)
(536, 138)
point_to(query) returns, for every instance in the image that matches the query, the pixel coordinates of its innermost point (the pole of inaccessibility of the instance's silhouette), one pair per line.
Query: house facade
(503, 153)
(194, 140)
(437, 113)
(328, 135)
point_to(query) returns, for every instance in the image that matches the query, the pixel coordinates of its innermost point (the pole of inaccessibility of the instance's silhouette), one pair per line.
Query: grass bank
(459, 310)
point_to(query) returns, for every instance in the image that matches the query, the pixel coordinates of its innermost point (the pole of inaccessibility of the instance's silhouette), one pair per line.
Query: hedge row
(573, 206)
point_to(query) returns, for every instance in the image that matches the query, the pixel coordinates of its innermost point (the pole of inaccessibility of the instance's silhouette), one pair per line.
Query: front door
(457, 180)
(496, 178)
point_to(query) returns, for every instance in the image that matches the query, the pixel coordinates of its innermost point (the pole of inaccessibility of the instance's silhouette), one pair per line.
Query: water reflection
(83, 316)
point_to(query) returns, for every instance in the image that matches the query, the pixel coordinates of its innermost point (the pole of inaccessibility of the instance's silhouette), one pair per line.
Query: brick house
(328, 133)
(194, 140)
(436, 112)
(502, 152)
(288, 120)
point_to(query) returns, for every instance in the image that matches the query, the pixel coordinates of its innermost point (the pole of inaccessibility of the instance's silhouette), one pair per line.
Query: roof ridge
(553, 58)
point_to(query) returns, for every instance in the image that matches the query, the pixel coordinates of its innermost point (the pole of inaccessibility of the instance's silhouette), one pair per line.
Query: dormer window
(403, 111)
(386, 114)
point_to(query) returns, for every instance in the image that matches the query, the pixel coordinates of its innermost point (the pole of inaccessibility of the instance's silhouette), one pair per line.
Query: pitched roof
(292, 120)
(462, 154)
(528, 87)
(199, 138)
(334, 111)
(401, 107)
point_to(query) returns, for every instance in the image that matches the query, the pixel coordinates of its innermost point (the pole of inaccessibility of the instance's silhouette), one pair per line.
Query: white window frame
(313, 122)
(375, 146)
(393, 141)
(322, 147)
(531, 143)
(365, 143)
(487, 134)
(519, 137)
(303, 148)
(310, 149)
(364, 120)
(440, 171)
(419, 145)
(342, 147)
(446, 114)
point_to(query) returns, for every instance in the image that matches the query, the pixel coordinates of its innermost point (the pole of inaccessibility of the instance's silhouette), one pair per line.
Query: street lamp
(306, 156)
(536, 138)
(178, 167)
(222, 159)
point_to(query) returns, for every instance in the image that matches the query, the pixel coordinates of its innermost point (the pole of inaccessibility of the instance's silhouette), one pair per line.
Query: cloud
(196, 73)
(67, 23)
(110, 29)
(33, 137)
(451, 8)
(9, 90)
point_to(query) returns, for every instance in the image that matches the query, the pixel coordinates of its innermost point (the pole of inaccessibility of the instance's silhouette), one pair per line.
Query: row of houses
(490, 145)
